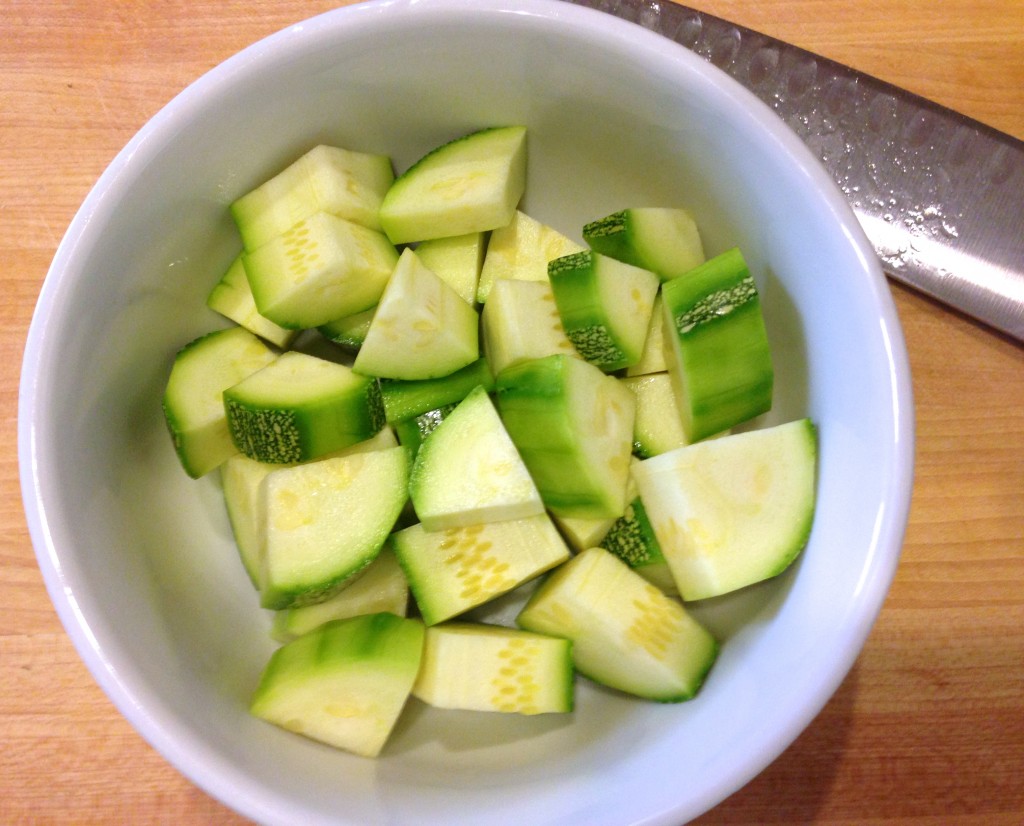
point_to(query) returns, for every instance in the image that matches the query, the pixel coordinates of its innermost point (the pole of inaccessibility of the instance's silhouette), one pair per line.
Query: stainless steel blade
(940, 196)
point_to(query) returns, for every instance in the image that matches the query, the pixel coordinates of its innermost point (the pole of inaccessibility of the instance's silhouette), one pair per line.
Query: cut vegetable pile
(428, 393)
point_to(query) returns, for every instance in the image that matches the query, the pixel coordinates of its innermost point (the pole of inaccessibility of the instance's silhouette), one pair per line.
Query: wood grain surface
(929, 726)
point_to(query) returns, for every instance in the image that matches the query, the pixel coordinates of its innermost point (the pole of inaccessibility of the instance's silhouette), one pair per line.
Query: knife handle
(940, 196)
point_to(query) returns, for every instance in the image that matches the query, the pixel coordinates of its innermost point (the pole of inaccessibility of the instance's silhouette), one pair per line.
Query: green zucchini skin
(344, 683)
(664, 240)
(302, 407)
(717, 346)
(407, 399)
(573, 426)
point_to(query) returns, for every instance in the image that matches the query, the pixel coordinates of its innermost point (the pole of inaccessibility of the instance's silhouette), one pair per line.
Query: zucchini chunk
(456, 261)
(454, 570)
(470, 184)
(345, 683)
(232, 298)
(468, 471)
(324, 521)
(412, 432)
(242, 480)
(583, 533)
(663, 240)
(521, 250)
(605, 307)
(491, 668)
(301, 407)
(626, 634)
(329, 179)
(520, 321)
(573, 426)
(421, 330)
(349, 332)
(632, 539)
(658, 427)
(716, 346)
(406, 399)
(322, 269)
(380, 586)
(193, 402)
(652, 360)
(733, 511)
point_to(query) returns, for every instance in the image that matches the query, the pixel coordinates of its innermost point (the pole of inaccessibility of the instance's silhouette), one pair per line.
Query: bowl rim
(225, 782)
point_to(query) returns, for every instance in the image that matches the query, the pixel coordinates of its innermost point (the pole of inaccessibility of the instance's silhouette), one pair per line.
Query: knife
(940, 196)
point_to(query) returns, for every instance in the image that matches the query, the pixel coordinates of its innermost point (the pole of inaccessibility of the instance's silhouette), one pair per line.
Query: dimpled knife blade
(940, 196)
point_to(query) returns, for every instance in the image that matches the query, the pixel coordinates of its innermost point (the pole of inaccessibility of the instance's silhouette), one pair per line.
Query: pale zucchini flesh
(380, 586)
(322, 269)
(325, 521)
(471, 184)
(626, 633)
(232, 298)
(468, 471)
(732, 511)
(330, 179)
(520, 321)
(422, 328)
(452, 571)
(193, 402)
(490, 668)
(521, 251)
(456, 261)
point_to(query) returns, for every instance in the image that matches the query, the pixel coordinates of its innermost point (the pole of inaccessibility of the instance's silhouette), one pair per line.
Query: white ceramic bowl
(138, 558)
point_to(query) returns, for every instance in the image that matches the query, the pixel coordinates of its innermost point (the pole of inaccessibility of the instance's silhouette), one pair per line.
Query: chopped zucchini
(468, 471)
(232, 298)
(301, 407)
(349, 332)
(663, 240)
(632, 539)
(658, 427)
(626, 634)
(521, 250)
(456, 261)
(193, 401)
(328, 179)
(605, 306)
(492, 668)
(716, 346)
(412, 432)
(421, 330)
(380, 586)
(406, 399)
(652, 360)
(325, 521)
(733, 511)
(241, 481)
(471, 184)
(583, 533)
(344, 683)
(520, 321)
(573, 426)
(454, 570)
(322, 269)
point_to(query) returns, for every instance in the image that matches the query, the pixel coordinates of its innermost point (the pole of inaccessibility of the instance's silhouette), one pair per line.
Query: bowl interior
(140, 561)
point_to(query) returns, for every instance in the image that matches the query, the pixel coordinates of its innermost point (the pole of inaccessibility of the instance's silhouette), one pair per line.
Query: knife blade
(939, 195)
